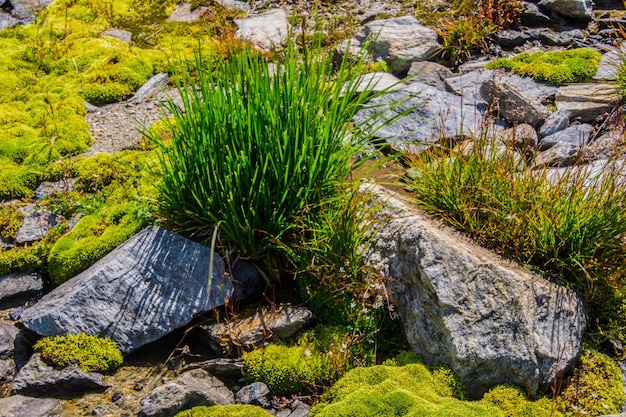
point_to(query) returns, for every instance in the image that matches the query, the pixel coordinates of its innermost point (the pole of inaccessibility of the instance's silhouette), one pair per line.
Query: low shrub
(554, 67)
(596, 388)
(235, 410)
(89, 353)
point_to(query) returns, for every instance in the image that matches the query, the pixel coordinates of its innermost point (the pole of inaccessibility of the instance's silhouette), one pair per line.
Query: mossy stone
(89, 353)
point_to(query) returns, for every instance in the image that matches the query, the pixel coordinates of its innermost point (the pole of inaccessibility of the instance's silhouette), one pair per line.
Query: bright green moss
(20, 259)
(10, 221)
(596, 388)
(89, 353)
(511, 401)
(557, 67)
(235, 410)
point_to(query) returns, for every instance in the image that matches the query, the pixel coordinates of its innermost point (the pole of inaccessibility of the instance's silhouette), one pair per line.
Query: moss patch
(236, 410)
(560, 67)
(89, 353)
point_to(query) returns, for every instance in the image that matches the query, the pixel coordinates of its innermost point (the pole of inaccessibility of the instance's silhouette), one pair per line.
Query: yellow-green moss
(555, 67)
(235, 410)
(10, 221)
(89, 353)
(512, 402)
(20, 259)
(596, 388)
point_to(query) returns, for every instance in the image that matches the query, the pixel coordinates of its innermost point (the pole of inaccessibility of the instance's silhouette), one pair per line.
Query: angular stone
(39, 379)
(36, 224)
(261, 326)
(19, 405)
(511, 38)
(123, 35)
(434, 115)
(578, 9)
(429, 73)
(522, 136)
(8, 333)
(577, 135)
(49, 188)
(7, 370)
(267, 30)
(468, 86)
(191, 389)
(231, 368)
(152, 284)
(531, 15)
(491, 321)
(560, 155)
(610, 64)
(154, 85)
(24, 10)
(256, 393)
(607, 146)
(399, 41)
(18, 286)
(587, 101)
(379, 81)
(183, 13)
(555, 122)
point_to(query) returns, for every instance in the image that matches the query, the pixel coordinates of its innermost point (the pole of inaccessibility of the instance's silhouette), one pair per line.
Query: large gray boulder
(155, 282)
(434, 115)
(399, 41)
(491, 321)
(191, 389)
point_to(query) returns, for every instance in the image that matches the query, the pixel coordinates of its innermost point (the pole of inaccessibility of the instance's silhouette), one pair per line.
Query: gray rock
(518, 99)
(522, 136)
(606, 146)
(511, 38)
(491, 321)
(255, 328)
(555, 122)
(39, 379)
(399, 41)
(256, 393)
(578, 9)
(49, 188)
(183, 13)
(154, 85)
(191, 389)
(577, 135)
(560, 155)
(235, 4)
(587, 101)
(429, 73)
(531, 15)
(468, 86)
(268, 30)
(152, 284)
(231, 368)
(564, 38)
(7, 370)
(123, 35)
(17, 286)
(21, 406)
(379, 81)
(7, 21)
(434, 115)
(35, 225)
(297, 409)
(24, 10)
(610, 65)
(8, 332)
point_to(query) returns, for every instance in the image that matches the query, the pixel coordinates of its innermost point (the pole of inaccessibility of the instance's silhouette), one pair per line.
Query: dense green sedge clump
(234, 410)
(255, 156)
(89, 353)
(556, 67)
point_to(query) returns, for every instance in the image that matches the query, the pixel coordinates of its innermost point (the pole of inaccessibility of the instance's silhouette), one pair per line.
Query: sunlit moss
(89, 353)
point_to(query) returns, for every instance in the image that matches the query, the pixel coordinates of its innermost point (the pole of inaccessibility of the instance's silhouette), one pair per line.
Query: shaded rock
(268, 30)
(8, 332)
(607, 146)
(259, 327)
(19, 405)
(559, 155)
(578, 9)
(39, 379)
(429, 73)
(16, 287)
(511, 38)
(296, 409)
(531, 15)
(587, 101)
(49, 188)
(555, 122)
(256, 393)
(152, 284)
(191, 389)
(231, 368)
(35, 225)
(434, 115)
(183, 13)
(154, 85)
(246, 280)
(123, 35)
(491, 321)
(518, 99)
(399, 41)
(564, 38)
(577, 135)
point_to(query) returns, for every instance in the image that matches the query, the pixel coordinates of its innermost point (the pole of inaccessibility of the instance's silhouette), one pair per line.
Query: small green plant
(462, 37)
(554, 67)
(89, 353)
(10, 221)
(595, 389)
(235, 410)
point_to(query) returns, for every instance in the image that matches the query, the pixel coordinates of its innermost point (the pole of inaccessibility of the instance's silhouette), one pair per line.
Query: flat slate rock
(21, 406)
(152, 284)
